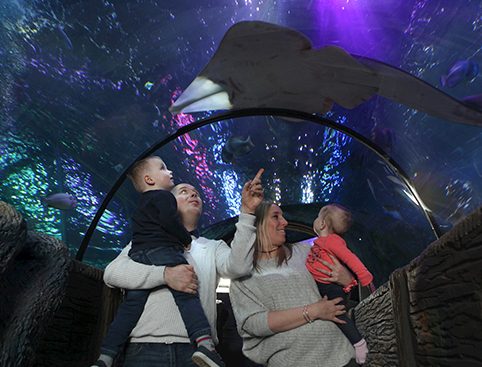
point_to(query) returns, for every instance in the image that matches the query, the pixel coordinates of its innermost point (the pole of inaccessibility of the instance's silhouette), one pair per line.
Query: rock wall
(54, 311)
(430, 311)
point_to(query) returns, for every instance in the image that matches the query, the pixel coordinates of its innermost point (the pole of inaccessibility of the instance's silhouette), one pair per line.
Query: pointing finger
(258, 175)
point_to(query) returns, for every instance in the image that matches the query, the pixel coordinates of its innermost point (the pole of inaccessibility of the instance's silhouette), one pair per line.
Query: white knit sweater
(272, 288)
(161, 322)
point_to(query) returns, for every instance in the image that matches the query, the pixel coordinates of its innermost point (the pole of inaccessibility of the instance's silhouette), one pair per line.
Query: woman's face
(275, 225)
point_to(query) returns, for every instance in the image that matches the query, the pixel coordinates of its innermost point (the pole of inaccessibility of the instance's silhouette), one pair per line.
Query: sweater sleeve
(337, 246)
(169, 217)
(123, 272)
(251, 316)
(237, 261)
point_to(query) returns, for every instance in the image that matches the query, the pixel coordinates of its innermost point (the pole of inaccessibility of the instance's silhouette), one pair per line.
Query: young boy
(332, 221)
(159, 238)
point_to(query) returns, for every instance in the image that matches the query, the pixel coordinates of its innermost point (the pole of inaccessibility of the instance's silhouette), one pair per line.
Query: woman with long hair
(279, 312)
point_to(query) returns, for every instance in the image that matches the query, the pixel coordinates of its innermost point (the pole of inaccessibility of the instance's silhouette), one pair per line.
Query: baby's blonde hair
(326, 213)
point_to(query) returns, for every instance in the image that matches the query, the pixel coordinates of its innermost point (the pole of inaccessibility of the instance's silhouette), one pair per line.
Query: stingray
(259, 64)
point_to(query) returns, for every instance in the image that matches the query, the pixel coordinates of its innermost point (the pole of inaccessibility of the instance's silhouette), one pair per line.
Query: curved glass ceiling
(86, 87)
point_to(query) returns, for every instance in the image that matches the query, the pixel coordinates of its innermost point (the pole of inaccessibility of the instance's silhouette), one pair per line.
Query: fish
(148, 85)
(259, 64)
(461, 70)
(61, 200)
(236, 146)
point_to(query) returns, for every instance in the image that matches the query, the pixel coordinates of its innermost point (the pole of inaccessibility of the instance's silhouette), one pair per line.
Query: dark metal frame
(250, 113)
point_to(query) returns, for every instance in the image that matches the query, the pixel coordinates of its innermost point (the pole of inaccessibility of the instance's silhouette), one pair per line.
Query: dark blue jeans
(349, 329)
(131, 309)
(159, 355)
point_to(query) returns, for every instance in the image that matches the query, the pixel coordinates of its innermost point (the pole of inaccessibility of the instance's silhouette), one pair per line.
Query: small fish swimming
(236, 146)
(61, 200)
(463, 69)
(148, 85)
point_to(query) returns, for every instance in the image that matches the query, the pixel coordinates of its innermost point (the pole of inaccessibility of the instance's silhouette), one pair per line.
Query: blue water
(86, 86)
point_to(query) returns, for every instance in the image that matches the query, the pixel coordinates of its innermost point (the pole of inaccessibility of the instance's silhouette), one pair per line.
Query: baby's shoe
(361, 351)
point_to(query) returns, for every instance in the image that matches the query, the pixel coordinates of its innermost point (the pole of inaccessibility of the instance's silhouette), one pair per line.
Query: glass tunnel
(86, 87)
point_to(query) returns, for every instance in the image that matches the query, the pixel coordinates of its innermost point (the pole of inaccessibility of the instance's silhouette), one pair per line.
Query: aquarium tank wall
(86, 87)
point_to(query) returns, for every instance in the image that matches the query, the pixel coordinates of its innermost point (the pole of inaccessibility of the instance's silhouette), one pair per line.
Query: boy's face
(158, 174)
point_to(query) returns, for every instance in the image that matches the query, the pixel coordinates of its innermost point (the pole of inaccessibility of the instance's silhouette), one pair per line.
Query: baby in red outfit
(332, 221)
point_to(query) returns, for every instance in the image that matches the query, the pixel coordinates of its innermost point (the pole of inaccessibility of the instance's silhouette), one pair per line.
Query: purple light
(356, 26)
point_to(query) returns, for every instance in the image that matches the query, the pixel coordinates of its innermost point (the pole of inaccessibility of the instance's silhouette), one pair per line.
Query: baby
(332, 221)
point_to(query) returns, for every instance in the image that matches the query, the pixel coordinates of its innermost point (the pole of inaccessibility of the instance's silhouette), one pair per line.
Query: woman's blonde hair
(262, 236)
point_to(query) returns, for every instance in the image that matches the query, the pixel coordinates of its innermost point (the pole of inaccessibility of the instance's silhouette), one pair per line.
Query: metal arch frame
(250, 113)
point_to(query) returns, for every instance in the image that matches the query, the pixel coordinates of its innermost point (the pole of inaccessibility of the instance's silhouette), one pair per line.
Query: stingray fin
(343, 78)
(404, 88)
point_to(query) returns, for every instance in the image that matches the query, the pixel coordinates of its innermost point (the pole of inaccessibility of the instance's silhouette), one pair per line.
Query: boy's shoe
(204, 357)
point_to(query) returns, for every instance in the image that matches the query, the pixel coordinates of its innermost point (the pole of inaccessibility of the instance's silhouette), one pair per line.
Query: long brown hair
(262, 237)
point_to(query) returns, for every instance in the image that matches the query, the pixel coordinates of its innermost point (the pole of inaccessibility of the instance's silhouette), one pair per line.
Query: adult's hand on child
(182, 278)
(252, 194)
(326, 309)
(338, 273)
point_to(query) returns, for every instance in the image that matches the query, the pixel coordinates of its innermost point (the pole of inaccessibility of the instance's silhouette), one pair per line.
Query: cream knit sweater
(320, 344)
(161, 322)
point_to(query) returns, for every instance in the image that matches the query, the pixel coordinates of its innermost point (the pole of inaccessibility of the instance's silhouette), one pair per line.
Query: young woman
(279, 312)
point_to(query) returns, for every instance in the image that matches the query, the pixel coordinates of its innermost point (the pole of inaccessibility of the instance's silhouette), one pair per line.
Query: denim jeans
(131, 309)
(349, 329)
(159, 355)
